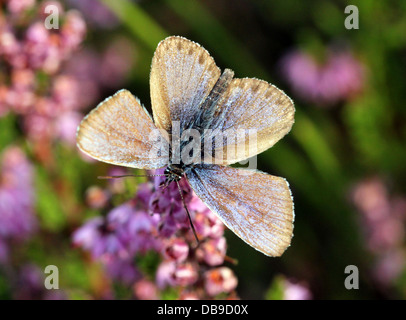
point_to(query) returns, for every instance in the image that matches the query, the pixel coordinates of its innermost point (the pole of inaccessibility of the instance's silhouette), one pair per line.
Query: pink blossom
(185, 274)
(17, 218)
(176, 249)
(219, 280)
(18, 6)
(296, 291)
(212, 251)
(96, 197)
(145, 290)
(337, 79)
(66, 126)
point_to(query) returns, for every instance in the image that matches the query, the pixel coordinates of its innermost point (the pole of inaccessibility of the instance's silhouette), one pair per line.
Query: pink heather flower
(122, 270)
(96, 237)
(17, 220)
(47, 109)
(389, 266)
(84, 67)
(41, 48)
(296, 291)
(164, 275)
(176, 249)
(156, 220)
(383, 220)
(371, 197)
(338, 79)
(206, 223)
(185, 274)
(212, 251)
(65, 90)
(23, 79)
(115, 62)
(38, 127)
(96, 197)
(168, 204)
(19, 6)
(73, 31)
(96, 12)
(66, 126)
(145, 290)
(219, 280)
(135, 228)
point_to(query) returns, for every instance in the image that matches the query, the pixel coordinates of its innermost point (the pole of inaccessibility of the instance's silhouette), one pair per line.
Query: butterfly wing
(182, 75)
(121, 132)
(258, 110)
(256, 206)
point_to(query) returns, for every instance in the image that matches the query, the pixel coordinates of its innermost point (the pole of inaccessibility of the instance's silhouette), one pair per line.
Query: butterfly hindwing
(256, 206)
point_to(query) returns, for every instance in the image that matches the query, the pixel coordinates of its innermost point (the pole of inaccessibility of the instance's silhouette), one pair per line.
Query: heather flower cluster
(156, 221)
(383, 221)
(33, 85)
(17, 218)
(338, 78)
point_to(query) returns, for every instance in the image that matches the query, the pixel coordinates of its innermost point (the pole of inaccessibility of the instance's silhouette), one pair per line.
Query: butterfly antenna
(131, 175)
(188, 214)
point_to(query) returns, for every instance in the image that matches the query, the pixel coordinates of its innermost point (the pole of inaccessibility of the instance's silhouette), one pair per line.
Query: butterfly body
(204, 120)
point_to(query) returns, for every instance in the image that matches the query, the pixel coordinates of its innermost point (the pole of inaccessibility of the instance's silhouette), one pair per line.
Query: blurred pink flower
(45, 98)
(115, 62)
(383, 222)
(185, 274)
(73, 31)
(219, 280)
(389, 266)
(17, 218)
(176, 249)
(66, 126)
(212, 251)
(164, 274)
(382, 217)
(338, 79)
(296, 291)
(99, 239)
(96, 197)
(145, 290)
(96, 12)
(19, 6)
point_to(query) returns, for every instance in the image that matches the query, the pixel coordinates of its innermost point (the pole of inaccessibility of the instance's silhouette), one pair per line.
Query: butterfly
(189, 92)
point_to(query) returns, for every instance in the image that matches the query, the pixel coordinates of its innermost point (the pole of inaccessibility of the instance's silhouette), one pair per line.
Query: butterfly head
(173, 173)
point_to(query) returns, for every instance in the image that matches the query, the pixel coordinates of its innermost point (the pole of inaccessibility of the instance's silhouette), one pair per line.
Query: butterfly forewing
(182, 75)
(120, 131)
(256, 206)
(252, 116)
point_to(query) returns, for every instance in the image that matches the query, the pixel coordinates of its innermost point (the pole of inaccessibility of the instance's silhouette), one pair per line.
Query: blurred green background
(345, 153)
